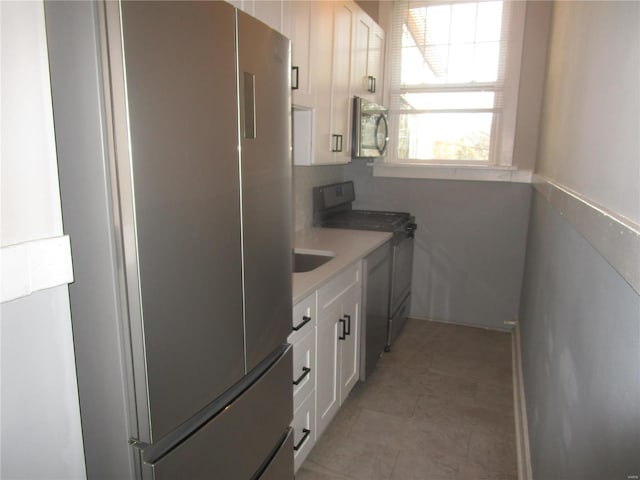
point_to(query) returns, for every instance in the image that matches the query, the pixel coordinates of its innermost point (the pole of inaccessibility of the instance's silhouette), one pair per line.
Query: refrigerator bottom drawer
(236, 443)
(281, 465)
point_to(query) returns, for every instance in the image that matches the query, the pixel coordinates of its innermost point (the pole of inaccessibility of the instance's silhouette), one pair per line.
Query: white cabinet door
(338, 342)
(329, 84)
(368, 59)
(272, 12)
(350, 345)
(300, 33)
(341, 103)
(376, 61)
(328, 358)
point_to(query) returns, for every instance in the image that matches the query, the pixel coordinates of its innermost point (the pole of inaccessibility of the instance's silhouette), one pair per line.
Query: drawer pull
(344, 330)
(348, 330)
(305, 320)
(306, 432)
(305, 372)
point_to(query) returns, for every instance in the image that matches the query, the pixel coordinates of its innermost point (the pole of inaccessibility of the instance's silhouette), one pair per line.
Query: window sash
(397, 89)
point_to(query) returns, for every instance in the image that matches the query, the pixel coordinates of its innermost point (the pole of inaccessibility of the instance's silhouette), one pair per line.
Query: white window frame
(502, 166)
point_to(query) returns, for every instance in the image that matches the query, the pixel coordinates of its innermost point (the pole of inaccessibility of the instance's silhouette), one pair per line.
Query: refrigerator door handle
(249, 92)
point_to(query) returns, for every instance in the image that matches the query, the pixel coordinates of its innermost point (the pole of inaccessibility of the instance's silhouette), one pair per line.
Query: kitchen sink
(308, 260)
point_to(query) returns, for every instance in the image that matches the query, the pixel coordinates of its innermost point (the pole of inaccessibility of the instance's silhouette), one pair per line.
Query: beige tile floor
(439, 406)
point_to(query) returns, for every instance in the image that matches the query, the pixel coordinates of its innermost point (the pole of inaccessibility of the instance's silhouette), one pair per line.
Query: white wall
(41, 436)
(591, 136)
(30, 197)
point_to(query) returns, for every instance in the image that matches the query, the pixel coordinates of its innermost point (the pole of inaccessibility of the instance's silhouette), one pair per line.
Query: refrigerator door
(182, 228)
(265, 126)
(247, 439)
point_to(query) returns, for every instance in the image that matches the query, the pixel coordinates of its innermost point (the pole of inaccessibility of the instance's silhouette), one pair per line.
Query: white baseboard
(520, 410)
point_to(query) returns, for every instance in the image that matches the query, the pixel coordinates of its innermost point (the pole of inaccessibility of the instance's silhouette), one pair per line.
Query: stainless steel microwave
(370, 129)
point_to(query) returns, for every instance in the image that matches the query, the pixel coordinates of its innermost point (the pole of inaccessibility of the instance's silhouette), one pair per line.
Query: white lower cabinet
(326, 356)
(338, 342)
(303, 339)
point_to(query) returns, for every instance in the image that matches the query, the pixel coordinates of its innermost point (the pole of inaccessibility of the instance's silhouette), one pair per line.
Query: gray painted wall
(580, 329)
(580, 320)
(304, 179)
(470, 243)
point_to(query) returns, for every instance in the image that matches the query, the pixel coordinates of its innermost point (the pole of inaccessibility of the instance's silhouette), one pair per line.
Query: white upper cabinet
(274, 13)
(300, 33)
(337, 53)
(368, 59)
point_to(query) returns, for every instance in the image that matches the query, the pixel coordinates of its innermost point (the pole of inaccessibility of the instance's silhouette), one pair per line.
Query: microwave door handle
(382, 118)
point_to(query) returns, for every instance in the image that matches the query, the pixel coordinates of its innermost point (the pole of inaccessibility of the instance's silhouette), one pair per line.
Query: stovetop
(369, 220)
(332, 207)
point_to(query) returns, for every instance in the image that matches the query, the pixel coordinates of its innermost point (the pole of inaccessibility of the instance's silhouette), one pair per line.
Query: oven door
(370, 129)
(402, 260)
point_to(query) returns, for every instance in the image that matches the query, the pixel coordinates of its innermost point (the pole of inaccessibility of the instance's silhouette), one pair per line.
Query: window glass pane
(460, 63)
(486, 62)
(447, 100)
(489, 24)
(457, 43)
(438, 19)
(463, 23)
(444, 136)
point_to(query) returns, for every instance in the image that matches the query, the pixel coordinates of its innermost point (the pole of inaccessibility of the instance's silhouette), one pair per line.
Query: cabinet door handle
(337, 143)
(372, 84)
(348, 330)
(306, 433)
(295, 71)
(305, 319)
(344, 331)
(305, 372)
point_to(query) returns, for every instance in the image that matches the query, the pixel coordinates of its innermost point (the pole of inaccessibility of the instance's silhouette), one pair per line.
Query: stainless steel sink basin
(308, 260)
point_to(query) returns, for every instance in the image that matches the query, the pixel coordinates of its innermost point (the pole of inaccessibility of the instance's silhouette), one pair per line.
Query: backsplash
(304, 179)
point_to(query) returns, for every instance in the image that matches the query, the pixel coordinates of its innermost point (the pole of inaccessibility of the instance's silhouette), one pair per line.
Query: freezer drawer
(281, 465)
(236, 443)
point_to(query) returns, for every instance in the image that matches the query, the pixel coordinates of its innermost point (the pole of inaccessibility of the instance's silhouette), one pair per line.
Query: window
(451, 93)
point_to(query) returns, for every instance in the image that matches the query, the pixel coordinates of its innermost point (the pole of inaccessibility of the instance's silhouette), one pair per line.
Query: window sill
(451, 172)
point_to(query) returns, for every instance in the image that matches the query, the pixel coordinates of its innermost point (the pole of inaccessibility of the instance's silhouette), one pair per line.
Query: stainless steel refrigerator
(173, 133)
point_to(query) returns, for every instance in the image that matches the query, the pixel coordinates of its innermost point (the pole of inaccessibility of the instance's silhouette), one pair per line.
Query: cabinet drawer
(304, 367)
(304, 318)
(304, 430)
(339, 285)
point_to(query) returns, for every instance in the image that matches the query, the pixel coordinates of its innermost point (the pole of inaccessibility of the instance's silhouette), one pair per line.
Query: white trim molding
(520, 409)
(485, 173)
(35, 265)
(616, 238)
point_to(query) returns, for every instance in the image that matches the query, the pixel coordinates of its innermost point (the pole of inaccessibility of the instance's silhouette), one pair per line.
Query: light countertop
(348, 246)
